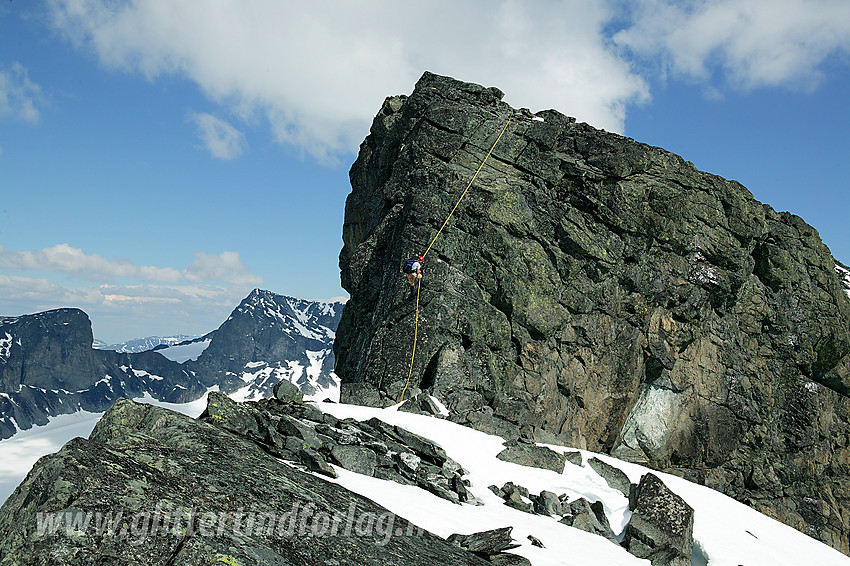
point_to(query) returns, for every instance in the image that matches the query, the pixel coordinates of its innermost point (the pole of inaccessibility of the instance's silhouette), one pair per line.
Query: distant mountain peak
(269, 337)
(310, 319)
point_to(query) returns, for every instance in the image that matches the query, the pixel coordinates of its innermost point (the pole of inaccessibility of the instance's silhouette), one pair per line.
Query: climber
(413, 269)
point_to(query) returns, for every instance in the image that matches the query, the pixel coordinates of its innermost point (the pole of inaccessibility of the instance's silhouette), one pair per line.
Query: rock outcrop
(300, 433)
(599, 293)
(661, 528)
(151, 486)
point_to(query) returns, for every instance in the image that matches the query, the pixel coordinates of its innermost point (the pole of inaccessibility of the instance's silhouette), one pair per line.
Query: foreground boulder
(662, 525)
(599, 293)
(526, 454)
(151, 486)
(487, 544)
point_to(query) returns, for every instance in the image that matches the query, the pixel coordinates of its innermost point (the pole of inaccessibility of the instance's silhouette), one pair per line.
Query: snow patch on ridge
(726, 533)
(314, 370)
(143, 373)
(260, 377)
(5, 346)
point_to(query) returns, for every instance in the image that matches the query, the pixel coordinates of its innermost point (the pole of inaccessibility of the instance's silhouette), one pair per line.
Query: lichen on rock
(600, 293)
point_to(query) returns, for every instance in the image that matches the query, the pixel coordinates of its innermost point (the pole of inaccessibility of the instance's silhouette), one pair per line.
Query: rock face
(160, 488)
(48, 367)
(662, 525)
(600, 293)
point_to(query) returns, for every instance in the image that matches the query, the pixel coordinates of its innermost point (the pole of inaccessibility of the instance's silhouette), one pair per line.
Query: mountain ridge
(48, 365)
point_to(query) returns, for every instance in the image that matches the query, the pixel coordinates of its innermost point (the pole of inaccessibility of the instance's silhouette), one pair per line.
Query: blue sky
(160, 159)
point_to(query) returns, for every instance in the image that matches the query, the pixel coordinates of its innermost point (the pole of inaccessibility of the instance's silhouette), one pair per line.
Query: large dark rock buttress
(601, 293)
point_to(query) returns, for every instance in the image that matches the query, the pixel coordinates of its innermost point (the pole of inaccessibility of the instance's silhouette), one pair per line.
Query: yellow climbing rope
(434, 239)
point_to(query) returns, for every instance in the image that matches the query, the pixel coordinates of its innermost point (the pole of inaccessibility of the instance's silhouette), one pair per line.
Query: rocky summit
(600, 293)
(269, 337)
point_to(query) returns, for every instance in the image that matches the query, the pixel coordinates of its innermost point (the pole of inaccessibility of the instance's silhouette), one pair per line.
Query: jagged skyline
(160, 159)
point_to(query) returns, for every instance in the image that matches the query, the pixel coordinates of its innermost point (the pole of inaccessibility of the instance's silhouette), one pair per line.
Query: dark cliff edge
(600, 293)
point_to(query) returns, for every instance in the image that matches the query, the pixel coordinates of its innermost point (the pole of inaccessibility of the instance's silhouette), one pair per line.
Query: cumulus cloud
(318, 74)
(122, 312)
(222, 140)
(63, 258)
(751, 44)
(225, 267)
(18, 95)
(167, 301)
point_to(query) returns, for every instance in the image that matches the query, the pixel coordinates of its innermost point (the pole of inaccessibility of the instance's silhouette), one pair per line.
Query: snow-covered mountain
(270, 337)
(142, 344)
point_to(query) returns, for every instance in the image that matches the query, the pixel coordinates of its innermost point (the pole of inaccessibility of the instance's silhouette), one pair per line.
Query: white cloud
(318, 73)
(63, 258)
(18, 94)
(169, 301)
(222, 140)
(752, 44)
(225, 267)
(19, 295)
(129, 311)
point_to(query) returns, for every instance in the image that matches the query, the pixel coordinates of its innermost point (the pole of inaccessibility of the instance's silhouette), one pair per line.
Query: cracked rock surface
(599, 293)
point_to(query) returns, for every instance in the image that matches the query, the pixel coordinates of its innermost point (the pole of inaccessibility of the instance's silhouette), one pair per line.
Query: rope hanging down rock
(434, 239)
